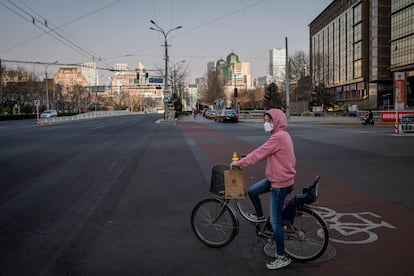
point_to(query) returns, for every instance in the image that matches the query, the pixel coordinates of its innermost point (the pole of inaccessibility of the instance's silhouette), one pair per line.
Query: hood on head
(279, 119)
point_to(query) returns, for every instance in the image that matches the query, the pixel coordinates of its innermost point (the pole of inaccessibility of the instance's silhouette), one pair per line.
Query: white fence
(83, 116)
(252, 114)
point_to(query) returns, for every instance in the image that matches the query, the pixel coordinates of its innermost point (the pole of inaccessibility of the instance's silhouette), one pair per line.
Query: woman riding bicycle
(280, 174)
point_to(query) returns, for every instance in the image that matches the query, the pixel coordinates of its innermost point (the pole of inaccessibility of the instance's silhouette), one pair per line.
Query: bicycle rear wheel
(308, 238)
(214, 223)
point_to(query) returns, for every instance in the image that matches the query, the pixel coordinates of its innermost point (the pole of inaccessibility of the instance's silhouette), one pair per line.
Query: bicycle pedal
(288, 229)
(268, 233)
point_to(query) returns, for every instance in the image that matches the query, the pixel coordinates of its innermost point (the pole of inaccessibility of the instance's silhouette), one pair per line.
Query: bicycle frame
(239, 209)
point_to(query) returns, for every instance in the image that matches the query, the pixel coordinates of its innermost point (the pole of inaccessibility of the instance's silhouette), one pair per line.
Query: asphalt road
(113, 196)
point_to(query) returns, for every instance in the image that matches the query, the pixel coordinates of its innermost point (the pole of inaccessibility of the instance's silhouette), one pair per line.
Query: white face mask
(268, 127)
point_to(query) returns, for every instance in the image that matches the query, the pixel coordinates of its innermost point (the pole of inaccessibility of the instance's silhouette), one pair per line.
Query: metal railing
(82, 116)
(252, 114)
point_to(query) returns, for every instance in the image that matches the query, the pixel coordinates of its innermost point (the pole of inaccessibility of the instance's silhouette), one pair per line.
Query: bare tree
(252, 98)
(298, 66)
(20, 87)
(177, 75)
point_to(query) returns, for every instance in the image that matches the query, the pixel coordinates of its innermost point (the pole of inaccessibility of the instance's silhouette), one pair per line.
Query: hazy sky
(117, 31)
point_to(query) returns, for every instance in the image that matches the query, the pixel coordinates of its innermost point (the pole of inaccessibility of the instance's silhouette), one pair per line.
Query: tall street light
(159, 29)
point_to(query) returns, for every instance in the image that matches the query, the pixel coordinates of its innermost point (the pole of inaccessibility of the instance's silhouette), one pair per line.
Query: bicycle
(215, 223)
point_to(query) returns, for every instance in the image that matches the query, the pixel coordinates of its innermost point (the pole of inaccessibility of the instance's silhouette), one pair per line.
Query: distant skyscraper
(88, 70)
(201, 81)
(277, 64)
(211, 66)
(233, 71)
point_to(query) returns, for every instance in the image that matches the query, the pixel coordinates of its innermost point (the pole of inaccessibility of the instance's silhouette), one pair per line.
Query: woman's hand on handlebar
(233, 164)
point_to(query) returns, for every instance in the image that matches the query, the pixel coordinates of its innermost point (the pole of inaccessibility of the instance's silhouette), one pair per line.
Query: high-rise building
(402, 48)
(235, 72)
(277, 64)
(350, 51)
(211, 66)
(264, 81)
(88, 70)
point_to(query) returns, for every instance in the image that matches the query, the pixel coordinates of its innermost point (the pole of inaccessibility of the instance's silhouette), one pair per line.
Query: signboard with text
(399, 84)
(155, 80)
(389, 116)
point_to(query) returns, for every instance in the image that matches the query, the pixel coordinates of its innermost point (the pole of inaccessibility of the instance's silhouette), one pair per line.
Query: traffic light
(235, 92)
(146, 76)
(137, 75)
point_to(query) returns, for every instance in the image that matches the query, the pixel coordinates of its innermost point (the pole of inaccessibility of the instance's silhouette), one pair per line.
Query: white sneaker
(279, 262)
(256, 218)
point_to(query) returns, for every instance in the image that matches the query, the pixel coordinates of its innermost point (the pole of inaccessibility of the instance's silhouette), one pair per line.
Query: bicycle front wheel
(214, 223)
(308, 238)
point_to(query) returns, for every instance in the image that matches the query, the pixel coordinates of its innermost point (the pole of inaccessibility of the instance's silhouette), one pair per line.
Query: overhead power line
(42, 23)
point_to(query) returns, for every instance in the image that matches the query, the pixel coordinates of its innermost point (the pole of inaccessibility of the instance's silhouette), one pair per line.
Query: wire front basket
(217, 179)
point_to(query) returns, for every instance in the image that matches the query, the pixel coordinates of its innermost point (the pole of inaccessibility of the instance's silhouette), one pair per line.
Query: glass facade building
(402, 46)
(277, 64)
(350, 51)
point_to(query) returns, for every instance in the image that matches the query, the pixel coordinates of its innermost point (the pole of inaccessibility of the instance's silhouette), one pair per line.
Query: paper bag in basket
(235, 186)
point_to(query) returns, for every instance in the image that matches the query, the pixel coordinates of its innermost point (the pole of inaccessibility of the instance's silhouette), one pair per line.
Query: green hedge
(30, 116)
(17, 117)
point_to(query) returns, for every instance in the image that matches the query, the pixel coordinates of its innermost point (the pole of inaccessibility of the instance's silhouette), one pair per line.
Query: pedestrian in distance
(280, 172)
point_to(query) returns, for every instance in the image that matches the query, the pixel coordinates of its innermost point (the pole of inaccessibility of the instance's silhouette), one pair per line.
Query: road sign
(167, 93)
(166, 100)
(36, 102)
(156, 80)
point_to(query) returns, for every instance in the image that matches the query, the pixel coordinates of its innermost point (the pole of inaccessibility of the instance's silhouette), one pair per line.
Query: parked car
(205, 112)
(48, 114)
(317, 110)
(211, 114)
(228, 115)
(407, 119)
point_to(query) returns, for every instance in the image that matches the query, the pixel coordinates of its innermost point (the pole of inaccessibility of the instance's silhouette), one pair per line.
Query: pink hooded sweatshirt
(278, 149)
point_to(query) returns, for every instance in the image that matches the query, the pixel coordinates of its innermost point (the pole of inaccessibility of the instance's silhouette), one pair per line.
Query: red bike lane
(369, 235)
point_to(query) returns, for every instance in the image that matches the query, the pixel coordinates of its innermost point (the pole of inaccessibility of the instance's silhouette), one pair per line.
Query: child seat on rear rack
(309, 196)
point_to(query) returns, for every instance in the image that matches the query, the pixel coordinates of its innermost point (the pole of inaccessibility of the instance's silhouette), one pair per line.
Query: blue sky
(117, 31)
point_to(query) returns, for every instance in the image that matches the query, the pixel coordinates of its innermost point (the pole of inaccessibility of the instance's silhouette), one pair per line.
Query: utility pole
(79, 100)
(1, 83)
(287, 80)
(47, 90)
(47, 83)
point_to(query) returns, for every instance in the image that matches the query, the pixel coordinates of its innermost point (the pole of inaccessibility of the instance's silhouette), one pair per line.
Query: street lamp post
(159, 29)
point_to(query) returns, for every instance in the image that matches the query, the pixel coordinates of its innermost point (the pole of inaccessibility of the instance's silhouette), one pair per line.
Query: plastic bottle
(235, 157)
